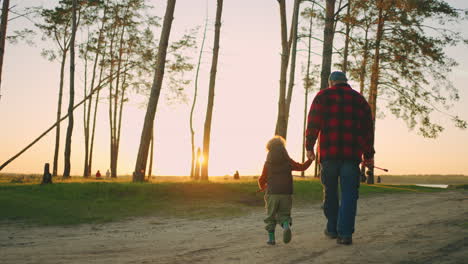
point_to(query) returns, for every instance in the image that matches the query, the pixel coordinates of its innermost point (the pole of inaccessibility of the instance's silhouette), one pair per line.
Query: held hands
(311, 155)
(369, 163)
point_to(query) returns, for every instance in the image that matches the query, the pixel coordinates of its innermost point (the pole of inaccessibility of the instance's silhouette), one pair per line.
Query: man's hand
(311, 155)
(369, 163)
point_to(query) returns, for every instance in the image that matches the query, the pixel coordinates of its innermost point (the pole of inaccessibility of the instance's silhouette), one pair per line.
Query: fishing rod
(375, 167)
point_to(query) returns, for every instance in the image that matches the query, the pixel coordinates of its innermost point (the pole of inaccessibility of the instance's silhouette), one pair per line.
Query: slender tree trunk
(3, 30)
(117, 108)
(119, 126)
(89, 124)
(96, 103)
(86, 107)
(146, 133)
(150, 167)
(365, 57)
(362, 80)
(67, 167)
(292, 70)
(281, 123)
(375, 66)
(192, 132)
(327, 54)
(93, 79)
(375, 76)
(59, 113)
(111, 88)
(196, 174)
(336, 14)
(209, 110)
(328, 35)
(88, 136)
(307, 86)
(347, 39)
(93, 132)
(306, 94)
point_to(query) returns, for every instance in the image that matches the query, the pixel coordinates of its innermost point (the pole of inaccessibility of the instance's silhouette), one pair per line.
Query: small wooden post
(46, 177)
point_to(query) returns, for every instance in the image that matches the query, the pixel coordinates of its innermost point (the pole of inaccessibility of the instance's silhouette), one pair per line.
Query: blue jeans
(340, 216)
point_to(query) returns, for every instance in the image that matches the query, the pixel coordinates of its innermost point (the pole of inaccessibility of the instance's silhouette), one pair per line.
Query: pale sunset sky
(245, 106)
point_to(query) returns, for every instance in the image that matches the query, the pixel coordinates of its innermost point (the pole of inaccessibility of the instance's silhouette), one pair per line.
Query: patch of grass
(96, 202)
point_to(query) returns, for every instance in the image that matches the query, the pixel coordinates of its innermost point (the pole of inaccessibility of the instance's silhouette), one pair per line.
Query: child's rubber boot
(287, 234)
(271, 238)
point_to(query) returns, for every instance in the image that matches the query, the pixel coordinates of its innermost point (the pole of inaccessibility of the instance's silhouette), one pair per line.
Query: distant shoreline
(385, 179)
(424, 179)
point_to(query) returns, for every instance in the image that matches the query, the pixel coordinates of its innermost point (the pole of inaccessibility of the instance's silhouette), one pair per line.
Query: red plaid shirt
(343, 119)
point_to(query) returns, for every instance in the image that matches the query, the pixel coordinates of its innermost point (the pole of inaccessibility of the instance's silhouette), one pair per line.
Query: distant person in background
(108, 173)
(343, 119)
(46, 177)
(277, 180)
(98, 174)
(236, 175)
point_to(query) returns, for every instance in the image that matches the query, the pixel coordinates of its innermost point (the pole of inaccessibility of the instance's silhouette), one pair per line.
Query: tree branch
(341, 9)
(22, 15)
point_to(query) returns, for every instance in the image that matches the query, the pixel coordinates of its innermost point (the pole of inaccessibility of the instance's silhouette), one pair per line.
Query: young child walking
(277, 180)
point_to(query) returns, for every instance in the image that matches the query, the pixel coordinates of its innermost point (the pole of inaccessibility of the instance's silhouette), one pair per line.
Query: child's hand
(311, 155)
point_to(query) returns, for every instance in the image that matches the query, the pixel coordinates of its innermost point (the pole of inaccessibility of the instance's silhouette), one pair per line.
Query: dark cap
(337, 76)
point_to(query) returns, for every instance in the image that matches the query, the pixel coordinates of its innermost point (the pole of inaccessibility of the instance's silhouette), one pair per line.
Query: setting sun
(201, 159)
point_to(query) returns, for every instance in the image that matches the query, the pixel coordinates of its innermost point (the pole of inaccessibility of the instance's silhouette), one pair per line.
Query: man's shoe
(330, 235)
(344, 240)
(287, 234)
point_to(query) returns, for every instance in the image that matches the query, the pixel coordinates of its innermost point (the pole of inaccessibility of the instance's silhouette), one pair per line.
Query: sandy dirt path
(408, 228)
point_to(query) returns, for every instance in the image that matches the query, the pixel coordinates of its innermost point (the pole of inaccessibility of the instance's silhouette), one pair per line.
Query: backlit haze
(245, 106)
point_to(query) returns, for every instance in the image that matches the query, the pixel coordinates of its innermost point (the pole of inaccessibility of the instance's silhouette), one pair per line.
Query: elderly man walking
(341, 117)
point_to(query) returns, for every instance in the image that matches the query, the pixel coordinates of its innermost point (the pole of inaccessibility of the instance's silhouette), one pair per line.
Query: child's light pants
(278, 207)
